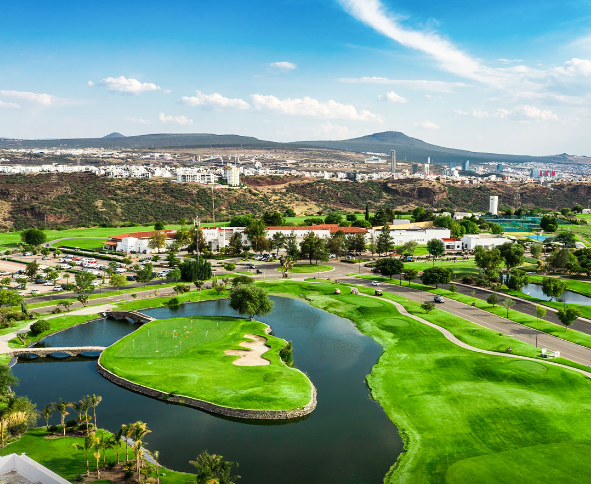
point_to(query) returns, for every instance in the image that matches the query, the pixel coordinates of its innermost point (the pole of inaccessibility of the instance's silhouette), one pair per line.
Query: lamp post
(197, 224)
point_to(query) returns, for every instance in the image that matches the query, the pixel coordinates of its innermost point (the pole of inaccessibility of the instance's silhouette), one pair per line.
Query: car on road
(250, 266)
(40, 281)
(438, 299)
(259, 271)
(375, 283)
(46, 257)
(57, 288)
(27, 254)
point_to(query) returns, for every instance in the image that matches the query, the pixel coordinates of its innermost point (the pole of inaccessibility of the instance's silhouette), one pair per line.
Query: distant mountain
(411, 149)
(414, 149)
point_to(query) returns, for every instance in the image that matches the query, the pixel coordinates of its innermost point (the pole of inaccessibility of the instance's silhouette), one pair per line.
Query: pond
(539, 238)
(568, 297)
(347, 439)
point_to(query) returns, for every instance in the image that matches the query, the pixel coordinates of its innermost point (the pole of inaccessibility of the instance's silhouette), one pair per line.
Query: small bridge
(135, 316)
(43, 352)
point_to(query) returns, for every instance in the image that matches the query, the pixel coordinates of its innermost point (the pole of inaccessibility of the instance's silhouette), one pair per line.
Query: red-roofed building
(452, 244)
(137, 242)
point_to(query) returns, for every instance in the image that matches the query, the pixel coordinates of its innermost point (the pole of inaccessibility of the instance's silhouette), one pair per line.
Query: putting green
(308, 268)
(187, 356)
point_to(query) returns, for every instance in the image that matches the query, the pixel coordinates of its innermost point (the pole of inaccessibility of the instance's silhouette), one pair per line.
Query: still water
(347, 439)
(568, 297)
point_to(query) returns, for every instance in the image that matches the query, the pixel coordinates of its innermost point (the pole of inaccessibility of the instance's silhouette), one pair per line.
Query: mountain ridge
(408, 148)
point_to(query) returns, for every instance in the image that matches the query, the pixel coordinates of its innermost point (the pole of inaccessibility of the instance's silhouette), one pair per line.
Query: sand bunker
(252, 356)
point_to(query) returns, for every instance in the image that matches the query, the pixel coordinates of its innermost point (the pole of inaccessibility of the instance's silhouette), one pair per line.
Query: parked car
(250, 266)
(57, 288)
(438, 299)
(120, 270)
(34, 291)
(64, 266)
(131, 278)
(48, 283)
(40, 281)
(46, 257)
(375, 270)
(259, 271)
(27, 254)
(95, 283)
(375, 283)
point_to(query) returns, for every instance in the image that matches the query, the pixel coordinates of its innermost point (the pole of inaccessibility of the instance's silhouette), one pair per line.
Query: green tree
(45, 251)
(290, 212)
(366, 212)
(389, 266)
(33, 237)
(336, 243)
(277, 241)
(87, 445)
(333, 218)
(436, 248)
(256, 234)
(235, 246)
(47, 413)
(230, 266)
(553, 287)
(31, 269)
(409, 247)
(159, 226)
(496, 229)
(540, 313)
(61, 407)
(193, 270)
(512, 254)
(384, 241)
(174, 274)
(517, 280)
(273, 219)
(291, 246)
(357, 243)
(213, 469)
(7, 380)
(507, 304)
(568, 316)
(83, 286)
(157, 240)
(250, 300)
(536, 250)
(493, 299)
(410, 275)
(312, 247)
(549, 223)
(146, 274)
(566, 238)
(428, 306)
(172, 260)
(436, 276)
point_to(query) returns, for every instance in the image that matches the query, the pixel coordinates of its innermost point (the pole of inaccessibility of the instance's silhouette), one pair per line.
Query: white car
(64, 266)
(95, 283)
(120, 270)
(58, 288)
(48, 283)
(34, 291)
(375, 283)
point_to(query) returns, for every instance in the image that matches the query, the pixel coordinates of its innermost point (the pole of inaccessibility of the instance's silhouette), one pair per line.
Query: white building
(15, 468)
(232, 175)
(137, 242)
(488, 241)
(493, 206)
(196, 176)
(416, 233)
(454, 245)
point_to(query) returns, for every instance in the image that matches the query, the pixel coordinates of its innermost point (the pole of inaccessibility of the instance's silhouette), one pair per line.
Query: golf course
(230, 362)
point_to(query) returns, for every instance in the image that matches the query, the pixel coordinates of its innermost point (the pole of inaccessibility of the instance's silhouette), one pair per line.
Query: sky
(504, 77)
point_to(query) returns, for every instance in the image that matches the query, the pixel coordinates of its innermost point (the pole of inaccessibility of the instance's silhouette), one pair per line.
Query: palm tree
(138, 451)
(140, 429)
(97, 456)
(94, 402)
(79, 407)
(127, 431)
(88, 445)
(213, 467)
(47, 412)
(118, 436)
(156, 456)
(62, 407)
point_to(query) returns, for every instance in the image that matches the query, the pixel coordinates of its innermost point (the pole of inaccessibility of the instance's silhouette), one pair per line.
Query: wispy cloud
(40, 99)
(137, 120)
(126, 85)
(308, 106)
(4, 104)
(182, 120)
(215, 101)
(392, 97)
(522, 112)
(429, 125)
(415, 84)
(283, 66)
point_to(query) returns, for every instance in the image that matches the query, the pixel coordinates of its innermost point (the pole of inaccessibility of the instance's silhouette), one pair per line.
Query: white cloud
(523, 112)
(40, 99)
(418, 84)
(182, 120)
(90, 84)
(215, 101)
(308, 106)
(284, 66)
(9, 105)
(326, 131)
(138, 120)
(509, 61)
(392, 97)
(126, 85)
(429, 125)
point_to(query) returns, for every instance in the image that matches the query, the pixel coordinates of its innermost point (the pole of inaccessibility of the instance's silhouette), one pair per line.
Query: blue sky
(508, 76)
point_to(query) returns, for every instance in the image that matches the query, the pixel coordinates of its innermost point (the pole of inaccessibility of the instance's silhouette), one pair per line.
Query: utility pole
(196, 224)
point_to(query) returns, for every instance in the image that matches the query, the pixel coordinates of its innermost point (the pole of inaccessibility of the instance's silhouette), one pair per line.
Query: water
(539, 238)
(568, 297)
(347, 439)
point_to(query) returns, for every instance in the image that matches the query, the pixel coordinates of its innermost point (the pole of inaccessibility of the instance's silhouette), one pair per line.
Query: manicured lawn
(308, 268)
(460, 267)
(461, 409)
(89, 244)
(191, 361)
(60, 456)
(56, 324)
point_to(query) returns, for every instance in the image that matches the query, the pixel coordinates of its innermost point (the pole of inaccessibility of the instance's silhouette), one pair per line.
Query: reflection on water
(347, 439)
(569, 297)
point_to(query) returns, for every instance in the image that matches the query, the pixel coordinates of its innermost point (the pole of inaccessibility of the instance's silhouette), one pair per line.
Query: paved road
(483, 318)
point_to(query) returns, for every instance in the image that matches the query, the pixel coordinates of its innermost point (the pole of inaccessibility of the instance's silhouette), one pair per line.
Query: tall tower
(393, 161)
(493, 207)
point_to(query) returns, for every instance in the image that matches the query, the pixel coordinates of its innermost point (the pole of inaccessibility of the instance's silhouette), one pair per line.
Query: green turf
(194, 364)
(308, 268)
(60, 456)
(90, 244)
(460, 267)
(456, 405)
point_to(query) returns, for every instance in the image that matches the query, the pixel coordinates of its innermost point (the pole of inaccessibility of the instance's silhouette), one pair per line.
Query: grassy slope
(461, 409)
(308, 268)
(200, 367)
(61, 457)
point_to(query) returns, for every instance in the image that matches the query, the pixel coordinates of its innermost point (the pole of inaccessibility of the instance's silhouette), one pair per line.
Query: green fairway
(191, 361)
(60, 456)
(90, 244)
(308, 268)
(461, 410)
(460, 267)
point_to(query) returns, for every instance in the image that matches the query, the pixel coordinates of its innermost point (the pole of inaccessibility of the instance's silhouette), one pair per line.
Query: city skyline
(503, 78)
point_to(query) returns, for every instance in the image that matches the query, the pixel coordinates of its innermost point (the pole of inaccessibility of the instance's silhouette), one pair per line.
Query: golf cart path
(450, 337)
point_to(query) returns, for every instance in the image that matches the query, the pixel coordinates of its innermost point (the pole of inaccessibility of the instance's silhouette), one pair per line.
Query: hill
(72, 200)
(413, 149)
(115, 135)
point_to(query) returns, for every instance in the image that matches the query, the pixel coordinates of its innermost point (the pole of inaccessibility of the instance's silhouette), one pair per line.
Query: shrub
(286, 354)
(173, 302)
(242, 280)
(468, 279)
(71, 423)
(53, 428)
(39, 327)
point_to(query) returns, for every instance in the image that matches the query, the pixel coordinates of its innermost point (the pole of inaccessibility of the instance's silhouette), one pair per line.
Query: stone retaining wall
(211, 407)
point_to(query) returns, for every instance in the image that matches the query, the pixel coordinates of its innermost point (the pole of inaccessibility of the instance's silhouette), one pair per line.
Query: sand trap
(252, 356)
